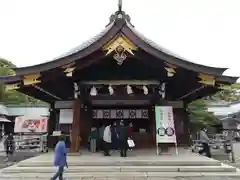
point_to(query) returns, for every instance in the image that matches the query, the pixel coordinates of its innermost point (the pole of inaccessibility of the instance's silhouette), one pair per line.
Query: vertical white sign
(165, 129)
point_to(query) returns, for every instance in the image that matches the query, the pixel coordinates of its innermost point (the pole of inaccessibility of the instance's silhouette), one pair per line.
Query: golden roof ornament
(120, 45)
(31, 79)
(170, 69)
(207, 79)
(69, 71)
(9, 87)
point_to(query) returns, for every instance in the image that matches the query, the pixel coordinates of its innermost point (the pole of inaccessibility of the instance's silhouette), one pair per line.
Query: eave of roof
(120, 24)
(171, 57)
(78, 52)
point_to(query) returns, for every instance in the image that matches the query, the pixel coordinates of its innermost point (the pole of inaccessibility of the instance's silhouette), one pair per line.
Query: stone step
(93, 169)
(123, 163)
(118, 175)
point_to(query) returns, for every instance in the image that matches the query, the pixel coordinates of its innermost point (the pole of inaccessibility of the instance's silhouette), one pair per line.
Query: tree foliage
(12, 97)
(199, 115)
(228, 95)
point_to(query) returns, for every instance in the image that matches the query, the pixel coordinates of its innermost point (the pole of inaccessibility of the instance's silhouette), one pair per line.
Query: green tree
(5, 70)
(199, 115)
(230, 94)
(12, 96)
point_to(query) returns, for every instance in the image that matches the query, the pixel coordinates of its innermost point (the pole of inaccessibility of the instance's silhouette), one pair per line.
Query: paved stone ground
(18, 156)
(163, 178)
(206, 178)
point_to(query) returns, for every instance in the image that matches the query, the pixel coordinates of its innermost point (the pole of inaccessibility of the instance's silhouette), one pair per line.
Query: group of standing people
(110, 137)
(113, 136)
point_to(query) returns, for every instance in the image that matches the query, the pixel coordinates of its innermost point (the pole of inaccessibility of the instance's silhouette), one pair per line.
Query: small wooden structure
(119, 74)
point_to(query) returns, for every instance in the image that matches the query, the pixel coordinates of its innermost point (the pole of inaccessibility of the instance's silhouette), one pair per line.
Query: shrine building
(118, 74)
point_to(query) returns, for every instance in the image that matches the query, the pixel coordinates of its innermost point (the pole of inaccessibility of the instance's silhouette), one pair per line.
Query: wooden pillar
(182, 126)
(75, 135)
(153, 121)
(187, 139)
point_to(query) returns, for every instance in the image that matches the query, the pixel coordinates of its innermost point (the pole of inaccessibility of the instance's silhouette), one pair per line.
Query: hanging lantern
(162, 90)
(75, 86)
(145, 90)
(76, 90)
(129, 89)
(111, 90)
(93, 91)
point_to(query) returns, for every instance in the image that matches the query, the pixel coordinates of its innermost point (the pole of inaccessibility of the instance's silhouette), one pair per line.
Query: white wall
(225, 110)
(66, 116)
(28, 111)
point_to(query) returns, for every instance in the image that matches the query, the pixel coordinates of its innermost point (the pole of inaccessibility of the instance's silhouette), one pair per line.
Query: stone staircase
(98, 167)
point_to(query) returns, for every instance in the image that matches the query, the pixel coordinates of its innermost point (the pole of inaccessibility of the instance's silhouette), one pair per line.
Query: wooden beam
(46, 92)
(59, 88)
(120, 82)
(192, 92)
(33, 92)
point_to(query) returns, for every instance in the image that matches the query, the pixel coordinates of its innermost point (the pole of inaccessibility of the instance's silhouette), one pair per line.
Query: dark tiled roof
(86, 43)
(164, 50)
(12, 78)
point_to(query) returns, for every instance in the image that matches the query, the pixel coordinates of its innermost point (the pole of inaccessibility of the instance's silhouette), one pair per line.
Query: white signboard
(66, 116)
(25, 124)
(165, 129)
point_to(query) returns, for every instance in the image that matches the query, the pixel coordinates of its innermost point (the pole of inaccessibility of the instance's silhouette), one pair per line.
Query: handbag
(130, 143)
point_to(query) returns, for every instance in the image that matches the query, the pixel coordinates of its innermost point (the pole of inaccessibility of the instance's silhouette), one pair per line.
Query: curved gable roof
(120, 22)
(78, 52)
(168, 55)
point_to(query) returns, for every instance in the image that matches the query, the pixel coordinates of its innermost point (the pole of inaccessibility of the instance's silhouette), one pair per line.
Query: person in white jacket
(107, 139)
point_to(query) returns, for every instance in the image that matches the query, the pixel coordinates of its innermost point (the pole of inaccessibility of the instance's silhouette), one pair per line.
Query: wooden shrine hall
(118, 74)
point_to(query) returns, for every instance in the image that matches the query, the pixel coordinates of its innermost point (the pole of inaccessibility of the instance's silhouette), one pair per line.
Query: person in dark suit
(115, 136)
(123, 137)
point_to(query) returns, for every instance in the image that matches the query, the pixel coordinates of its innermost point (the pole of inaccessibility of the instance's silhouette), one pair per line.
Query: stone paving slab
(121, 175)
(132, 178)
(87, 169)
(99, 159)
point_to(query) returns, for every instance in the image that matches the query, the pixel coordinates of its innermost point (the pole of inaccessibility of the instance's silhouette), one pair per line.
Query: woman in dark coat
(115, 136)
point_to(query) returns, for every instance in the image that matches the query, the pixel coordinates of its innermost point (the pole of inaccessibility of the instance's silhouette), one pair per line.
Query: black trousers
(123, 148)
(101, 144)
(106, 148)
(115, 143)
(59, 174)
(206, 150)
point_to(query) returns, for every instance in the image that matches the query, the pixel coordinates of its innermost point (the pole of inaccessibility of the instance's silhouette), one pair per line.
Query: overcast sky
(203, 31)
